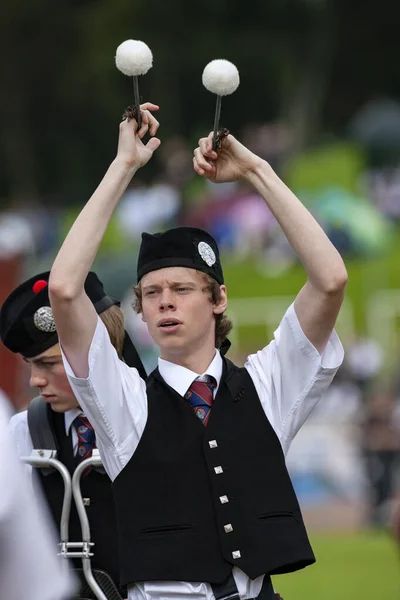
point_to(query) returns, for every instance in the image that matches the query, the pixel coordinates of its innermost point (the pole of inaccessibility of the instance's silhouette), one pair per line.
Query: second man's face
(178, 311)
(48, 375)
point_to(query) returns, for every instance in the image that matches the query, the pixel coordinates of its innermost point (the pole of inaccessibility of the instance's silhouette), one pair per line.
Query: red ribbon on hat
(39, 285)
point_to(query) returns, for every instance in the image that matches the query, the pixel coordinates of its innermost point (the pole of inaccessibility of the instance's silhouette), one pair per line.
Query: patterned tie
(200, 396)
(86, 437)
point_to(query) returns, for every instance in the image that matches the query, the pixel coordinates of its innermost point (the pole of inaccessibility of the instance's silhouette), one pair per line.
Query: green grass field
(349, 567)
(366, 276)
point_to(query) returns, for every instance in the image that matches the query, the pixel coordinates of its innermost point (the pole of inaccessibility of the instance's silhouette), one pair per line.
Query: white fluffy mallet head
(221, 77)
(133, 57)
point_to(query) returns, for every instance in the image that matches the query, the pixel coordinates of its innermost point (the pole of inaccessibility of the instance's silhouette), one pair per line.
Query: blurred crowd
(352, 186)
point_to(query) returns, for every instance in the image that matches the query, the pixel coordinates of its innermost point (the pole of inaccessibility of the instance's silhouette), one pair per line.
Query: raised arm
(318, 302)
(74, 313)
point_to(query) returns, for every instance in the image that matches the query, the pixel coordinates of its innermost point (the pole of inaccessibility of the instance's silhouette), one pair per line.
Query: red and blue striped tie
(200, 396)
(86, 437)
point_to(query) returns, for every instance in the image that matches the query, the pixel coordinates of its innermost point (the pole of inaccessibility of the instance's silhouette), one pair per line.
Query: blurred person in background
(195, 515)
(381, 451)
(27, 328)
(29, 566)
(364, 361)
(333, 423)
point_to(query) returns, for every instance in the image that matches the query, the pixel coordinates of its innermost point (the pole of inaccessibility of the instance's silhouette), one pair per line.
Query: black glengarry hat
(180, 247)
(26, 319)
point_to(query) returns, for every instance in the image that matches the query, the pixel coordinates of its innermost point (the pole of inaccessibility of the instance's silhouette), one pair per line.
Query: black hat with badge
(27, 324)
(26, 320)
(180, 247)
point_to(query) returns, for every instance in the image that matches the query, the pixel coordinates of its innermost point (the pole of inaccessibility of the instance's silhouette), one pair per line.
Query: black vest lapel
(233, 379)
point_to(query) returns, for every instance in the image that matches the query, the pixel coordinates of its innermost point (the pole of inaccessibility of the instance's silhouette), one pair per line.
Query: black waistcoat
(193, 501)
(100, 511)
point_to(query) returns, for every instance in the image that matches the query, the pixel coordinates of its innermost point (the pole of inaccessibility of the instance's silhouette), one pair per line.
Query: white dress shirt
(29, 566)
(19, 430)
(289, 374)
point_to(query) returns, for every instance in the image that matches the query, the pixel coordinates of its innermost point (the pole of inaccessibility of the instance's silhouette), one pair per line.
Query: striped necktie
(86, 437)
(200, 396)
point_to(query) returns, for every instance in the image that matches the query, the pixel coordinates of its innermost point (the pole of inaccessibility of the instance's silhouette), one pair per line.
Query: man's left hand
(231, 163)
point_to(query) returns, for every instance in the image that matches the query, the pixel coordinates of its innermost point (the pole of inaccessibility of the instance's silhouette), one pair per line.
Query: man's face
(48, 375)
(178, 311)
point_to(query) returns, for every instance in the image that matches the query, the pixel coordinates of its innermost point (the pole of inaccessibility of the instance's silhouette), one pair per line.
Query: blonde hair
(113, 319)
(52, 351)
(223, 325)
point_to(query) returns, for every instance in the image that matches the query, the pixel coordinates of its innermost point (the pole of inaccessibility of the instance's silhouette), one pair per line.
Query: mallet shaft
(137, 100)
(216, 122)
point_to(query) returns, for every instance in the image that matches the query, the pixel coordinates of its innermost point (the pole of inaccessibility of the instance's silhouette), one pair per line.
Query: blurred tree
(308, 47)
(308, 62)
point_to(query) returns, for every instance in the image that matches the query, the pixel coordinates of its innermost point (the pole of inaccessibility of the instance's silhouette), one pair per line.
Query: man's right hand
(131, 150)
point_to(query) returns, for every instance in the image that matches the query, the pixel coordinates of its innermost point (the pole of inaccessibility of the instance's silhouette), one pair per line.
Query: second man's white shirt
(19, 430)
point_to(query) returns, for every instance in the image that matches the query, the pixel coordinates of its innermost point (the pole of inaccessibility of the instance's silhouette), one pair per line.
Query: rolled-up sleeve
(291, 376)
(113, 398)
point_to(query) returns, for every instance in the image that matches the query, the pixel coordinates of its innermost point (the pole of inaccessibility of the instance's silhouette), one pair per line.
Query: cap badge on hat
(207, 253)
(44, 319)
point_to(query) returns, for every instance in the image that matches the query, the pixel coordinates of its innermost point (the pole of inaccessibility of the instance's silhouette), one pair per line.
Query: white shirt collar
(70, 416)
(181, 378)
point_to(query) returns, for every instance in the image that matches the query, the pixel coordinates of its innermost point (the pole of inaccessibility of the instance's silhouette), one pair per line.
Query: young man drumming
(205, 506)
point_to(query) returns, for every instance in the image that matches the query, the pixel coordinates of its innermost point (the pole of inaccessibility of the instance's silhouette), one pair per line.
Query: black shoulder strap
(234, 378)
(40, 425)
(226, 344)
(131, 356)
(41, 428)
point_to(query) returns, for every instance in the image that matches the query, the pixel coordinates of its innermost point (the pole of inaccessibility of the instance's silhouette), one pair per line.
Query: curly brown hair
(223, 325)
